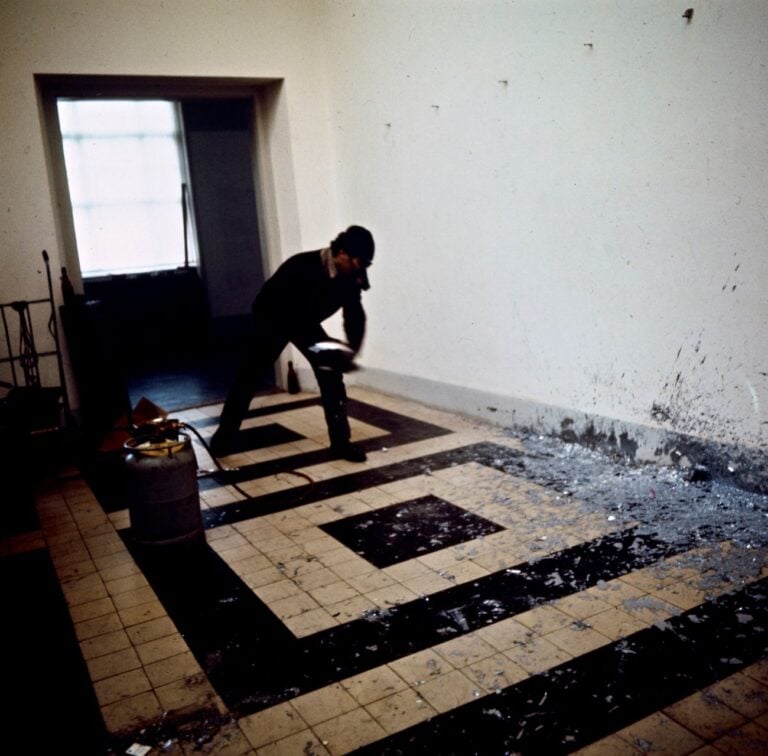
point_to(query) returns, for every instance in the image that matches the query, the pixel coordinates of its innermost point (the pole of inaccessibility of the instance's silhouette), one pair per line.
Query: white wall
(185, 38)
(568, 197)
(569, 200)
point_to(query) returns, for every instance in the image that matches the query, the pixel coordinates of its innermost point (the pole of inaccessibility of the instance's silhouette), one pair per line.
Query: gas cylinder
(163, 495)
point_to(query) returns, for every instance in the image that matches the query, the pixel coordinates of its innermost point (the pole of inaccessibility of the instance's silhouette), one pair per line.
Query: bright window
(125, 173)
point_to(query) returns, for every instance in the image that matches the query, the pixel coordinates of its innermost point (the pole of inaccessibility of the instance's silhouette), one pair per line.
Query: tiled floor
(453, 594)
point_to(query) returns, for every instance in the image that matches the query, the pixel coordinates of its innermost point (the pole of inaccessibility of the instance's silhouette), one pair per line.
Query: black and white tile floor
(464, 591)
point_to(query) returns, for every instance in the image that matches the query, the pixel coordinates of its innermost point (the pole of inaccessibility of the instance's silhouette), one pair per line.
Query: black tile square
(409, 529)
(262, 436)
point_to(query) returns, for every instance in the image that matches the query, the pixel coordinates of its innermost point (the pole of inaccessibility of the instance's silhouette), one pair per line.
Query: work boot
(349, 451)
(220, 444)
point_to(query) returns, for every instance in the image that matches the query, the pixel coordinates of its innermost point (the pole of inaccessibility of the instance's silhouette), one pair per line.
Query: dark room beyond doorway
(180, 332)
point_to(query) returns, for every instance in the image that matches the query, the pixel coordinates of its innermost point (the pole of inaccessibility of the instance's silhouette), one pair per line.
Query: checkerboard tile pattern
(557, 629)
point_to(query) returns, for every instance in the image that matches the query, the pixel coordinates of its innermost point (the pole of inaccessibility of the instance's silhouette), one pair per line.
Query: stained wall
(568, 198)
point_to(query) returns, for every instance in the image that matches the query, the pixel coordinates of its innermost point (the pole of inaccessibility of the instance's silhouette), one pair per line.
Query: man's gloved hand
(333, 355)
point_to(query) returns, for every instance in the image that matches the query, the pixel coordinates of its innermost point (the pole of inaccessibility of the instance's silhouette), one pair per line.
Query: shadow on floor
(44, 675)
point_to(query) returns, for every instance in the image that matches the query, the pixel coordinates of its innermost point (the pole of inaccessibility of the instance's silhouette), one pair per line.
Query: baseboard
(745, 467)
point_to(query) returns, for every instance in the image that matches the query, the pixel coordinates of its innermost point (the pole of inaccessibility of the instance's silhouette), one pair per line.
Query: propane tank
(161, 478)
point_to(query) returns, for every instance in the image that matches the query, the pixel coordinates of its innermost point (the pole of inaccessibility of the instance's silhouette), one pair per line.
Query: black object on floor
(50, 705)
(598, 693)
(409, 529)
(261, 437)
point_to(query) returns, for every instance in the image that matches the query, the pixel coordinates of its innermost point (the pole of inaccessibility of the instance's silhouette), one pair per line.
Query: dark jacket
(300, 295)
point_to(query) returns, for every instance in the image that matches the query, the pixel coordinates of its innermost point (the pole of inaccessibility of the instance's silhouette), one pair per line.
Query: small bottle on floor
(293, 380)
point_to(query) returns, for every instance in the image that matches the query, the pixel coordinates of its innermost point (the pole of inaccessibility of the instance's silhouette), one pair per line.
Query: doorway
(176, 335)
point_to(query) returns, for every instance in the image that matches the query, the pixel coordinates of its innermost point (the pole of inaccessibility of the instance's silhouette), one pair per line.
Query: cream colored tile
(277, 591)
(119, 687)
(172, 668)
(544, 619)
(107, 623)
(748, 740)
(374, 684)
(336, 556)
(120, 520)
(400, 710)
(537, 655)
(371, 581)
(295, 563)
(577, 639)
(315, 542)
(505, 634)
(317, 578)
(151, 630)
(304, 742)
(494, 560)
(377, 497)
(142, 613)
(111, 561)
(428, 584)
(318, 513)
(353, 567)
(324, 704)
(463, 572)
(494, 673)
(350, 507)
(391, 596)
(227, 543)
(233, 556)
(272, 546)
(193, 691)
(76, 570)
(133, 598)
(229, 740)
(613, 745)
(131, 713)
(294, 605)
(465, 650)
(218, 497)
(252, 564)
(616, 623)
(660, 734)
(84, 590)
(409, 570)
(261, 577)
(705, 715)
(161, 648)
(351, 609)
(308, 623)
(107, 561)
(681, 595)
(108, 643)
(333, 593)
(118, 571)
(449, 691)
(742, 693)
(649, 609)
(582, 605)
(349, 732)
(420, 667)
(272, 724)
(105, 545)
(758, 671)
(649, 579)
(109, 665)
(131, 582)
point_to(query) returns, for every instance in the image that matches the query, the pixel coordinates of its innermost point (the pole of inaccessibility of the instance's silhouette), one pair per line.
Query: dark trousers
(266, 347)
